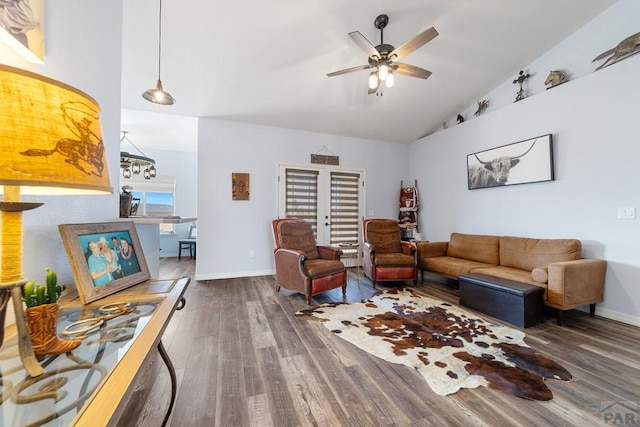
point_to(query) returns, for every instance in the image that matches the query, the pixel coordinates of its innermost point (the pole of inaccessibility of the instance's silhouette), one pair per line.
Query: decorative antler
(514, 157)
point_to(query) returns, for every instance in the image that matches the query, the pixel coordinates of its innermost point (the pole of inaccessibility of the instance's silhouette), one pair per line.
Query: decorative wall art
(325, 157)
(240, 186)
(22, 28)
(555, 78)
(626, 48)
(522, 162)
(520, 80)
(105, 257)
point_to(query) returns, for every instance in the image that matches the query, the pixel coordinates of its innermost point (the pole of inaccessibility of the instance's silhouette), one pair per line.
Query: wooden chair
(301, 264)
(189, 242)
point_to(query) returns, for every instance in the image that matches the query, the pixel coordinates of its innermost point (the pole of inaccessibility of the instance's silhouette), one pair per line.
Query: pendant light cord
(159, 38)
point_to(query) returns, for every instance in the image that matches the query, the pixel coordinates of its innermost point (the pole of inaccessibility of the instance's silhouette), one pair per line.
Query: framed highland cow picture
(522, 162)
(105, 257)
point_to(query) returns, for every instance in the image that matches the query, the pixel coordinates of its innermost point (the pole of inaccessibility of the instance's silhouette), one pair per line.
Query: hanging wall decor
(325, 157)
(239, 186)
(518, 163)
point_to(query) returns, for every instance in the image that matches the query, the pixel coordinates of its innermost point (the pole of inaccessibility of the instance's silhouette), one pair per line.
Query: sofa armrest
(289, 264)
(576, 283)
(329, 252)
(430, 249)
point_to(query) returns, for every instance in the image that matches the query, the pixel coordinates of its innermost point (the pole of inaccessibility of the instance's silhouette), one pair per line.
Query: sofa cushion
(475, 247)
(449, 266)
(322, 267)
(526, 253)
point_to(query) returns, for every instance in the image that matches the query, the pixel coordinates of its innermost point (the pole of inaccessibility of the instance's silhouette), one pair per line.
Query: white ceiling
(265, 62)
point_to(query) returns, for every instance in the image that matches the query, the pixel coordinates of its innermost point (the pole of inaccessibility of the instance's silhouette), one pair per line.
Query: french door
(330, 199)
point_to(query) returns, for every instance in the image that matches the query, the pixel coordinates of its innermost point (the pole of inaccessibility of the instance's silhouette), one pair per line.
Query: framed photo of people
(105, 257)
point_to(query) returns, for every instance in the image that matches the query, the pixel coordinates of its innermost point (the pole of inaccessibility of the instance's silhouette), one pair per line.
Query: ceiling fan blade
(413, 43)
(349, 70)
(410, 70)
(364, 44)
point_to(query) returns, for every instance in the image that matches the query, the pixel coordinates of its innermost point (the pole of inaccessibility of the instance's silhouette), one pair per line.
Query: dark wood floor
(243, 359)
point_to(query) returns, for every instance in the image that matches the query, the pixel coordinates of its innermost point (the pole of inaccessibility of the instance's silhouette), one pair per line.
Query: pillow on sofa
(540, 274)
(474, 247)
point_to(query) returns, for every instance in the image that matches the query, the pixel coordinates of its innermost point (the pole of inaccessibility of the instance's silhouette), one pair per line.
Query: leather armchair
(386, 256)
(301, 264)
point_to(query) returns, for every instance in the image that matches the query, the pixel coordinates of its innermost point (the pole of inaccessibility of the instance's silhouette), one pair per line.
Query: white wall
(83, 48)
(596, 149)
(228, 230)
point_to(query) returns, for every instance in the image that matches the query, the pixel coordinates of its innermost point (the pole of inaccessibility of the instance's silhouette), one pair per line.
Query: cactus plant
(36, 294)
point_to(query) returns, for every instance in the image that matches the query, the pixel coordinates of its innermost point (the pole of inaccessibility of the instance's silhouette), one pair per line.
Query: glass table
(90, 385)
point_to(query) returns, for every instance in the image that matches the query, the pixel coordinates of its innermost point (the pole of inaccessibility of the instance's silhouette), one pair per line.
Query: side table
(93, 384)
(351, 251)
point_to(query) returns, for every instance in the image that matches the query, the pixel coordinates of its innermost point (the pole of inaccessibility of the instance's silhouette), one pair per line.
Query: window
(155, 197)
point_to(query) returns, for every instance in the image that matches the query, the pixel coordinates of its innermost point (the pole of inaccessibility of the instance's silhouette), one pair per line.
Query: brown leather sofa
(556, 265)
(386, 256)
(301, 264)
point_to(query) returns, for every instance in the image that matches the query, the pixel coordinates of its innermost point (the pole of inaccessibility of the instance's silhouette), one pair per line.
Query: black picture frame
(522, 162)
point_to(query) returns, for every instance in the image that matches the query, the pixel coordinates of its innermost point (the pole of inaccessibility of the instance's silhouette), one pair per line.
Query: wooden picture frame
(240, 186)
(522, 162)
(94, 270)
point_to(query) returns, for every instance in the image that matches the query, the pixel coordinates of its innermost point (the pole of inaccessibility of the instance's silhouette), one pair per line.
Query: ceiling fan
(383, 57)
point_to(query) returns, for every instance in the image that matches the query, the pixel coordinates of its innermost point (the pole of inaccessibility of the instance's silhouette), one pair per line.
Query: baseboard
(231, 275)
(617, 316)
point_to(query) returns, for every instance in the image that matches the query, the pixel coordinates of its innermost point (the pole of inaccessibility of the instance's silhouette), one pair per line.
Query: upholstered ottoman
(517, 303)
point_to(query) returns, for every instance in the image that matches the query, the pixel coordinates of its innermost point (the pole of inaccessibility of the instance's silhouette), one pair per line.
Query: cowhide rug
(450, 347)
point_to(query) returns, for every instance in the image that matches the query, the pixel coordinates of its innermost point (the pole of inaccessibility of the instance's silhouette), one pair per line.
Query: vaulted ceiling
(265, 62)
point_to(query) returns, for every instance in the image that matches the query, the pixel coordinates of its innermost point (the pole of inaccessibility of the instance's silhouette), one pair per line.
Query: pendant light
(158, 95)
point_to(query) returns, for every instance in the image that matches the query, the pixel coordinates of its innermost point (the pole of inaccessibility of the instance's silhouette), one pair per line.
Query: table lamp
(50, 143)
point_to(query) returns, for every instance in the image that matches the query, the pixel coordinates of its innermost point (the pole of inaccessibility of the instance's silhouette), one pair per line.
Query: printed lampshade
(50, 137)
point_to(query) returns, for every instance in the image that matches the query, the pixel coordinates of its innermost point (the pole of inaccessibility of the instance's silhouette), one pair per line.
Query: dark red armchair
(301, 264)
(386, 256)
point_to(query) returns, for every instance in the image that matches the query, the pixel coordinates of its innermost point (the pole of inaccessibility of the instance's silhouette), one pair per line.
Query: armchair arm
(329, 252)
(429, 250)
(408, 248)
(575, 283)
(289, 259)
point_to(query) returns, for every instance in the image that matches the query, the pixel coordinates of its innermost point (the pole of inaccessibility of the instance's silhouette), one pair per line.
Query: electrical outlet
(626, 213)
(252, 254)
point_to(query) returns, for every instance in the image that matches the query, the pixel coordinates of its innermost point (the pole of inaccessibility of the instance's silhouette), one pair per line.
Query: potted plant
(42, 317)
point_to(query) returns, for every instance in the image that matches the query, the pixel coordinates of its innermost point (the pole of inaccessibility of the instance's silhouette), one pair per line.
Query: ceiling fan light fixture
(383, 72)
(390, 80)
(373, 80)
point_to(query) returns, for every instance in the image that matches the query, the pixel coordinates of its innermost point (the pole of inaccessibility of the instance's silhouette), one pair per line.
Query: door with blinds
(331, 200)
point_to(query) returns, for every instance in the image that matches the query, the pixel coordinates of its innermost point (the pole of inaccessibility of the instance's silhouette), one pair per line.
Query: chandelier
(134, 163)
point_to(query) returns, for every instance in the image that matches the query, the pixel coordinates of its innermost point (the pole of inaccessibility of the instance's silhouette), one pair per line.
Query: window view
(154, 197)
